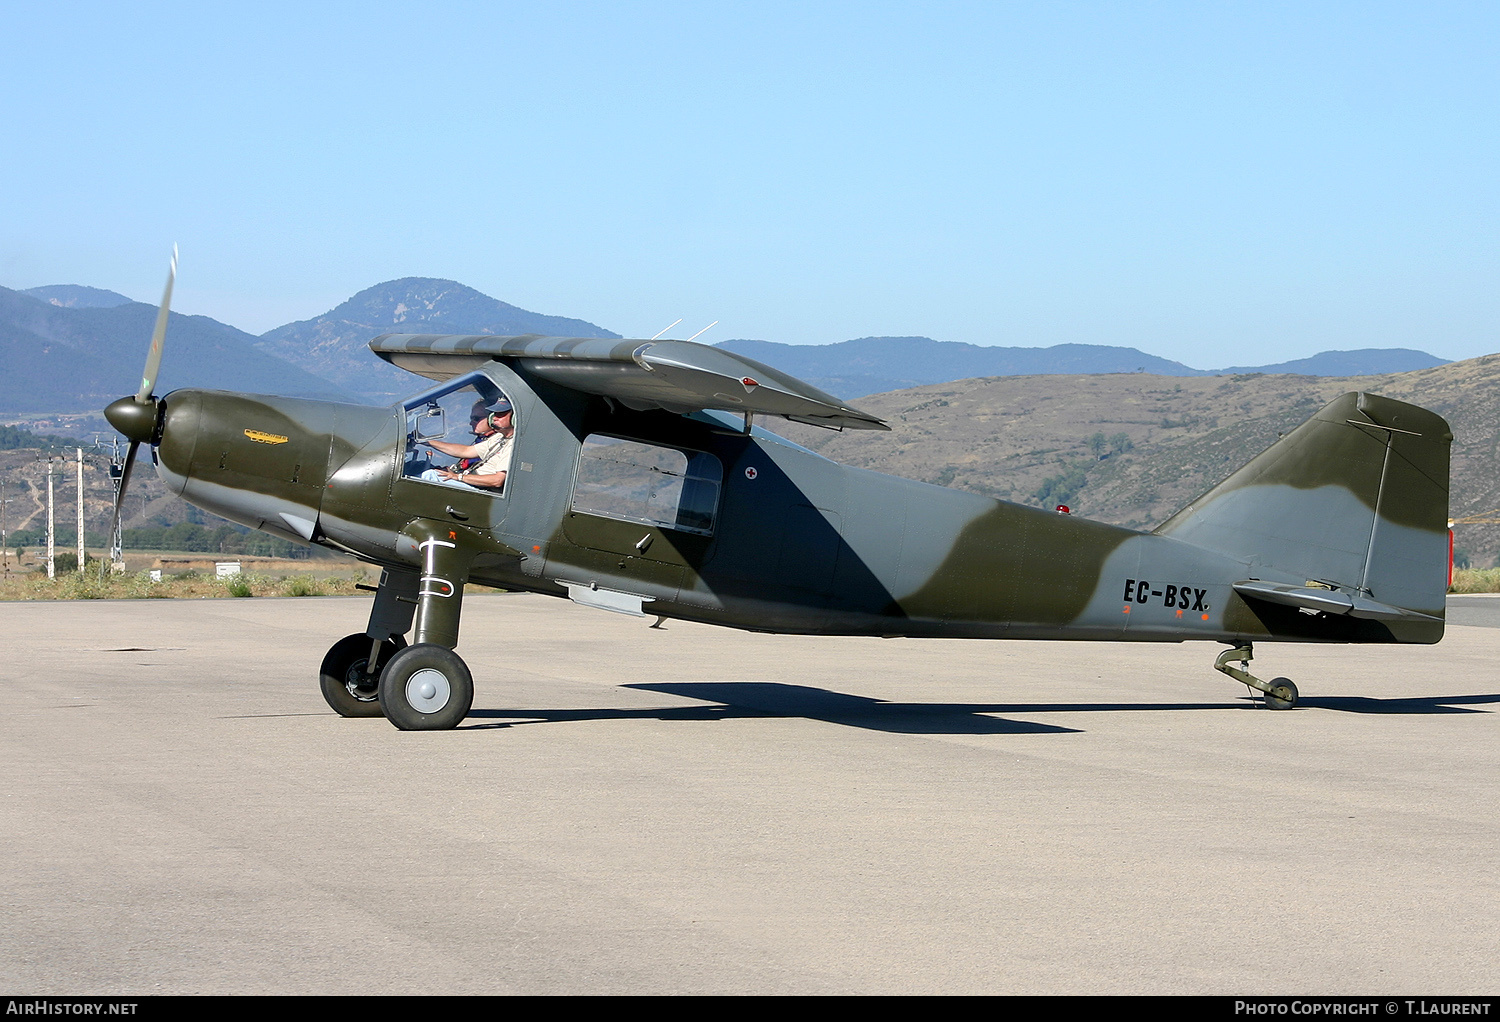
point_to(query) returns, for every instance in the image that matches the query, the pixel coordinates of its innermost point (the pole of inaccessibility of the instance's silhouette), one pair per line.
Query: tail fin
(1355, 500)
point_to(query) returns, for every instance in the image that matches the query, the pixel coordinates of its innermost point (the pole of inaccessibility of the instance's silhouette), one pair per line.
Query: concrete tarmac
(697, 810)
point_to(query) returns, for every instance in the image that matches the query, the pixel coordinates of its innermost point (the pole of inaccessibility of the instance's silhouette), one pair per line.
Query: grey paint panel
(1321, 533)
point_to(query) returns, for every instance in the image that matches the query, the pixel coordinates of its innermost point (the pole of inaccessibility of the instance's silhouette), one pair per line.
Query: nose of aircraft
(257, 459)
(136, 420)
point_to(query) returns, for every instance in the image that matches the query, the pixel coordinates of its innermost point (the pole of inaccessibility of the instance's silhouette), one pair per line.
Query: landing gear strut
(426, 686)
(1280, 693)
(422, 687)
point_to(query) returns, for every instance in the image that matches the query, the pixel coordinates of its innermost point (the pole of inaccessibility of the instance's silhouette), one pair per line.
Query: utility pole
(116, 476)
(81, 554)
(51, 525)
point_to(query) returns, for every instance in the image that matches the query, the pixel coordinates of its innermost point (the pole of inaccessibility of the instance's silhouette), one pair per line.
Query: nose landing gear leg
(427, 686)
(1280, 693)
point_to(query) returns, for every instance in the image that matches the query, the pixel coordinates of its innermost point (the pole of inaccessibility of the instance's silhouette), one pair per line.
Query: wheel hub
(428, 691)
(362, 686)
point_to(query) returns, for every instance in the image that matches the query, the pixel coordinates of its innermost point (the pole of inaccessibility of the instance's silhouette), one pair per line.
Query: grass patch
(187, 586)
(1475, 580)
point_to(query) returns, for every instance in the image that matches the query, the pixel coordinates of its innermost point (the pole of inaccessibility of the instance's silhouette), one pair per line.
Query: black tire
(346, 687)
(1283, 695)
(426, 688)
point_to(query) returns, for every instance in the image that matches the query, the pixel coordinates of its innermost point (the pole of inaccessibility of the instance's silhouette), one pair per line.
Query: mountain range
(876, 365)
(335, 344)
(67, 358)
(69, 348)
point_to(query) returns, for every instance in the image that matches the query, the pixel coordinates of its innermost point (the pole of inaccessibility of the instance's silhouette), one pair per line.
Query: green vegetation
(88, 585)
(1475, 580)
(13, 438)
(237, 585)
(186, 536)
(64, 562)
(1065, 487)
(1102, 447)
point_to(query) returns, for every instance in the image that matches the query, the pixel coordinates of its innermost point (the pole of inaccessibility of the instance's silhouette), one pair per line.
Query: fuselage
(765, 535)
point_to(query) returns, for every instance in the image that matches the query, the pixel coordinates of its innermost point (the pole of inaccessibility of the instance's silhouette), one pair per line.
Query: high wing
(678, 376)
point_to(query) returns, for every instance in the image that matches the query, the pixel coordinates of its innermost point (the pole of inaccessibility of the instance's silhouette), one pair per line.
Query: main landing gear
(425, 687)
(1280, 693)
(422, 687)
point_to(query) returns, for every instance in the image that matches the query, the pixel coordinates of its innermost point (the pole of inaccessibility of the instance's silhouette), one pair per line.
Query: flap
(679, 376)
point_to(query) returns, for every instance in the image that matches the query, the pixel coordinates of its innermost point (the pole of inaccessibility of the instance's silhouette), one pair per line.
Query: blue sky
(1218, 183)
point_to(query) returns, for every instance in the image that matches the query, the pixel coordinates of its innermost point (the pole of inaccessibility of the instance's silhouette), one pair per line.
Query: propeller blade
(114, 521)
(159, 335)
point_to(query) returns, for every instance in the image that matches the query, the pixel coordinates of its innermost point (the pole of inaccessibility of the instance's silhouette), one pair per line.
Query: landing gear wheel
(347, 688)
(1283, 694)
(426, 688)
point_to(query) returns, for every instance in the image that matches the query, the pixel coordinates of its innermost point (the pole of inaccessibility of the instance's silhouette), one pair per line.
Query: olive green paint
(1017, 564)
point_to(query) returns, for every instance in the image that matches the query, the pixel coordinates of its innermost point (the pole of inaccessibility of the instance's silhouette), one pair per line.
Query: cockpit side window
(460, 434)
(648, 483)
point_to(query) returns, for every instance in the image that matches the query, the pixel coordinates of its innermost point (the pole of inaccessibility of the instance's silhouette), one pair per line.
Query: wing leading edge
(679, 376)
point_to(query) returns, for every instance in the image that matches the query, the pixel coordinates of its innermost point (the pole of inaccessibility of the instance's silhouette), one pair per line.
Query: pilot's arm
(456, 450)
(488, 481)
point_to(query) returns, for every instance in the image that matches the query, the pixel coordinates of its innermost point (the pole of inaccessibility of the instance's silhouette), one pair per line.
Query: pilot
(487, 460)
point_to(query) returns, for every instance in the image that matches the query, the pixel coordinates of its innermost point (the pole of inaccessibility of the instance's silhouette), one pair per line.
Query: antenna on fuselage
(667, 327)
(704, 330)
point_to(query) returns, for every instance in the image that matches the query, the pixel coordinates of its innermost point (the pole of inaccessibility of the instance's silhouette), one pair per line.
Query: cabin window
(639, 482)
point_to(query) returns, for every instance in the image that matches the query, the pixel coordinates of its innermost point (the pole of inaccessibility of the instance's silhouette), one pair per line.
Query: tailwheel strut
(1280, 693)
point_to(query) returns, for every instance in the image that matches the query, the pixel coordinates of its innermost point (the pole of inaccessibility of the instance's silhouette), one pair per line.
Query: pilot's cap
(482, 409)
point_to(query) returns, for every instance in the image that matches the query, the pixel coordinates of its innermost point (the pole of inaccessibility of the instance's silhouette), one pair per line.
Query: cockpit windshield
(458, 434)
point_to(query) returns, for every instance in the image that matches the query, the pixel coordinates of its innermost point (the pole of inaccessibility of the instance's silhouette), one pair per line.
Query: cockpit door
(455, 415)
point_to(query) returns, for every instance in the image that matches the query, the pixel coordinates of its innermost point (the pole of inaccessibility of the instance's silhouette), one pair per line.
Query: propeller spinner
(136, 417)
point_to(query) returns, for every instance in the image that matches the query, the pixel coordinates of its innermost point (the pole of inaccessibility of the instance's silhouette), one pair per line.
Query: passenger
(486, 461)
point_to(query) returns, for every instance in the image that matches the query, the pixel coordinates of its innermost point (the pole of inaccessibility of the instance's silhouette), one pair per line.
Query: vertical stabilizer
(1356, 499)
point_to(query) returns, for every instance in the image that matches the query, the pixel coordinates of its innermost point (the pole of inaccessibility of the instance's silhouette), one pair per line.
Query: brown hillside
(1007, 436)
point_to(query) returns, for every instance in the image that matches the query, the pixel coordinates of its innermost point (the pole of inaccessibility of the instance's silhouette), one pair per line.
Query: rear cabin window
(638, 482)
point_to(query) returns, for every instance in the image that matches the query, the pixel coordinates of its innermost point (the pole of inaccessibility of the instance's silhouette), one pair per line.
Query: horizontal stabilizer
(1327, 601)
(679, 376)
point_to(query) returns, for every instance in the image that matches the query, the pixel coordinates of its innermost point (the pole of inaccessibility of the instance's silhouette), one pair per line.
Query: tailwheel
(1281, 694)
(350, 683)
(426, 688)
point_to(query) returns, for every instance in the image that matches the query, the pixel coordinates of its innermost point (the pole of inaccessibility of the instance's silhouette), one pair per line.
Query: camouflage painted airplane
(637, 483)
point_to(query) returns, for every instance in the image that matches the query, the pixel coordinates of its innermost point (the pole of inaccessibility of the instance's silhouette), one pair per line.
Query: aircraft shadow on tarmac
(734, 700)
(1418, 704)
